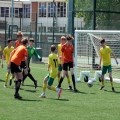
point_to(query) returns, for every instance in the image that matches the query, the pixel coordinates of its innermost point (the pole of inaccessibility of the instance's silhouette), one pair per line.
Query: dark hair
(53, 48)
(69, 37)
(31, 39)
(9, 40)
(102, 41)
(24, 41)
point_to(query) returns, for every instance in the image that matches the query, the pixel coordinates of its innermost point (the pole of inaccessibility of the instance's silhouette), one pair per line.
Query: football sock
(31, 77)
(58, 79)
(73, 80)
(17, 86)
(102, 83)
(111, 83)
(7, 75)
(53, 88)
(68, 80)
(44, 87)
(60, 82)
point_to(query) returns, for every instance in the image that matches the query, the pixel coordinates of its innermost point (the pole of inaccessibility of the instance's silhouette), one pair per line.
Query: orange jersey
(19, 54)
(17, 43)
(67, 53)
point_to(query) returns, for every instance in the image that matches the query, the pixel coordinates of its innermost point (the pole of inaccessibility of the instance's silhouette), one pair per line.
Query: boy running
(53, 72)
(105, 56)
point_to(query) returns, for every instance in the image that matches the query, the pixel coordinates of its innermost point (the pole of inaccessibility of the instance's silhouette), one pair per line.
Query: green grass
(89, 104)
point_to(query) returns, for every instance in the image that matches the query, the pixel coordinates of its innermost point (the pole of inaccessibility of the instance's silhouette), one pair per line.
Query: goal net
(87, 46)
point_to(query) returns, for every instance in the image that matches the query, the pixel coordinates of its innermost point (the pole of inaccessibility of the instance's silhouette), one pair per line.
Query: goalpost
(87, 46)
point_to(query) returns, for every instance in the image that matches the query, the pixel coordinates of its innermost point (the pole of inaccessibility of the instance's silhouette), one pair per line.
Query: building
(36, 18)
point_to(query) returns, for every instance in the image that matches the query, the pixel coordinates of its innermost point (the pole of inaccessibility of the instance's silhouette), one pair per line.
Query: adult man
(105, 56)
(6, 54)
(67, 53)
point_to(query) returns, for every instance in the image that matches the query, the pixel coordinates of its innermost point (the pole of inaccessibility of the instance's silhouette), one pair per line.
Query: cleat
(10, 83)
(43, 95)
(70, 87)
(102, 87)
(17, 96)
(5, 86)
(113, 89)
(35, 83)
(59, 92)
(75, 90)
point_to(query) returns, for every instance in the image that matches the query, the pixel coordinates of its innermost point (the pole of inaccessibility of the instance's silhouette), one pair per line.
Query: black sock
(60, 82)
(73, 80)
(17, 86)
(31, 77)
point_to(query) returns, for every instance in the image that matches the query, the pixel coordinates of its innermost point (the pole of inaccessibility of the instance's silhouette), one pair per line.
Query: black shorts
(15, 68)
(67, 65)
(23, 64)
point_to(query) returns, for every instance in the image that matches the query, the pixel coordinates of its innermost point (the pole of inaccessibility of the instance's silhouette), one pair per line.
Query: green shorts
(106, 68)
(59, 67)
(50, 81)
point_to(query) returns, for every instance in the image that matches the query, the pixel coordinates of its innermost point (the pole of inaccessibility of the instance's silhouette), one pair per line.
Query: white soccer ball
(90, 83)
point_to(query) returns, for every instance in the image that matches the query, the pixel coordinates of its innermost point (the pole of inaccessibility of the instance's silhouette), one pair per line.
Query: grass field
(88, 104)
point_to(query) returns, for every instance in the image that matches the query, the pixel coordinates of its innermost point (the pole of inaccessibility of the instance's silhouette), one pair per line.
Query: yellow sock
(7, 75)
(44, 87)
(58, 79)
(111, 84)
(53, 88)
(68, 80)
(102, 83)
(11, 78)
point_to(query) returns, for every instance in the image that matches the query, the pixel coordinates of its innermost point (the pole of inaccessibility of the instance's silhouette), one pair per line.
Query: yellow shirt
(59, 53)
(6, 53)
(105, 55)
(53, 62)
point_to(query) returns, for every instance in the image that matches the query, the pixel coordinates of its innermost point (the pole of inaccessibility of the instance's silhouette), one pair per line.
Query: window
(4, 11)
(62, 29)
(51, 9)
(50, 39)
(61, 9)
(42, 9)
(43, 29)
(26, 11)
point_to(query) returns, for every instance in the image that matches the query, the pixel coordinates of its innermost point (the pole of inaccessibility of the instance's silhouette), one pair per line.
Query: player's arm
(37, 55)
(114, 57)
(100, 61)
(2, 60)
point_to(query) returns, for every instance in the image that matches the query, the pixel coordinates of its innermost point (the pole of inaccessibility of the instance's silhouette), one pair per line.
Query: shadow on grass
(23, 99)
(59, 99)
(31, 91)
(31, 85)
(111, 91)
(2, 80)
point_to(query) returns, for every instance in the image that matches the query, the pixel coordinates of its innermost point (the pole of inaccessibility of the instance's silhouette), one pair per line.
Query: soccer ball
(90, 83)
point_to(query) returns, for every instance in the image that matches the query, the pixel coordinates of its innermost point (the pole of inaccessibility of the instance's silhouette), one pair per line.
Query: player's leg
(73, 76)
(104, 70)
(59, 71)
(44, 86)
(110, 76)
(51, 87)
(68, 78)
(65, 69)
(7, 76)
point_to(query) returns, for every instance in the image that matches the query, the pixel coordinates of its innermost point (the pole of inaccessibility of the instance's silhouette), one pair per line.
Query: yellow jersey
(105, 54)
(59, 53)
(6, 53)
(53, 62)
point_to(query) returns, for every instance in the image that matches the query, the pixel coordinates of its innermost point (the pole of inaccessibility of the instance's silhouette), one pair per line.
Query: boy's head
(19, 34)
(69, 37)
(53, 48)
(63, 39)
(24, 41)
(9, 40)
(31, 39)
(102, 41)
